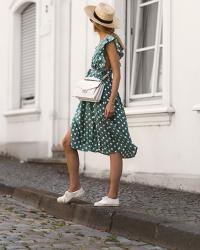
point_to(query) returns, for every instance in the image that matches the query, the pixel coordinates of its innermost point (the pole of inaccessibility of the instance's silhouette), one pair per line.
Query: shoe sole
(76, 196)
(107, 205)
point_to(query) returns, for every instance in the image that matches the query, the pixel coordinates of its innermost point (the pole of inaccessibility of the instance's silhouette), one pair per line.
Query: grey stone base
(25, 150)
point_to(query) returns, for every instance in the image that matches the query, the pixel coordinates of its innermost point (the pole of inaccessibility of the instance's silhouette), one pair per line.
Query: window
(28, 55)
(148, 58)
(146, 50)
(24, 60)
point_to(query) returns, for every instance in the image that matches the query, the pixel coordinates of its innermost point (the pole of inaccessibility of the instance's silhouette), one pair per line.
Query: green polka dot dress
(90, 130)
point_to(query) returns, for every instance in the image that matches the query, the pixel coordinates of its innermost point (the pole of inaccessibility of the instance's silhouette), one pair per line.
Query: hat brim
(89, 10)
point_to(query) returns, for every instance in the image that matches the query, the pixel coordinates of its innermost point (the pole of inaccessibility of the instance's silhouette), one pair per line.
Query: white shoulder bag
(89, 89)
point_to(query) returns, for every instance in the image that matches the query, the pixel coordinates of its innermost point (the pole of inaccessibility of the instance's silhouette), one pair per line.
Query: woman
(101, 127)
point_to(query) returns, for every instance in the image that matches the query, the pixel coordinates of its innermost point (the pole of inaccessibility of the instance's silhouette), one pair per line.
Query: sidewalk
(164, 216)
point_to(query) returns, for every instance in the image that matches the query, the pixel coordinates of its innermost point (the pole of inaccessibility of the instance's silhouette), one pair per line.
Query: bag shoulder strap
(105, 76)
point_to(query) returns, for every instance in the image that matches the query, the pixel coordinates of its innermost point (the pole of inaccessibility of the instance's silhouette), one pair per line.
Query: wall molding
(196, 107)
(156, 116)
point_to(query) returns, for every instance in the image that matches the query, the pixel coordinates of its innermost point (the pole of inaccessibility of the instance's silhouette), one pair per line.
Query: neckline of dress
(103, 40)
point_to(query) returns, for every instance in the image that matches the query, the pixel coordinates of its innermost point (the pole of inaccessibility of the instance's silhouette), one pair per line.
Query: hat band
(101, 20)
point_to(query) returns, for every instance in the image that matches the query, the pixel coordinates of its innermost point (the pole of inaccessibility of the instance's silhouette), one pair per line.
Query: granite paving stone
(37, 230)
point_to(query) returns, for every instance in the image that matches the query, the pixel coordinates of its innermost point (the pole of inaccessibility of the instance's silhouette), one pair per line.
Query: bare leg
(116, 165)
(72, 158)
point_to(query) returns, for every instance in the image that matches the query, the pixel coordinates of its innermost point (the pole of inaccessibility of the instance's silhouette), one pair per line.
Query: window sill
(196, 107)
(149, 116)
(19, 115)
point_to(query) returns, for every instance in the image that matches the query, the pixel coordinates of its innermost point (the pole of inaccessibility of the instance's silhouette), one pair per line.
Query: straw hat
(103, 14)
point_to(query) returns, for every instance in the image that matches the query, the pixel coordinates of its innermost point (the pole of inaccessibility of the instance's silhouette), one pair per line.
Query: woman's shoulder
(110, 38)
(107, 39)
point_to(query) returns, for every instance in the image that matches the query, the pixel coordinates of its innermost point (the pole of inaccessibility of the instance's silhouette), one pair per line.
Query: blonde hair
(109, 31)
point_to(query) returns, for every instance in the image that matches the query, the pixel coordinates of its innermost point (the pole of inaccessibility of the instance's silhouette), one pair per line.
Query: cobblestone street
(24, 227)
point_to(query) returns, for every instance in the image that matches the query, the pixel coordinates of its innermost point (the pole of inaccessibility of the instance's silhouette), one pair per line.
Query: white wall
(174, 149)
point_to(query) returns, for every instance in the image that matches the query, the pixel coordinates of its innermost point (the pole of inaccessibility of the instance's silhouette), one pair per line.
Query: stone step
(48, 160)
(57, 151)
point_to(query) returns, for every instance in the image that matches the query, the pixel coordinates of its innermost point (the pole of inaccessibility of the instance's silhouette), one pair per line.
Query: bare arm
(115, 65)
(113, 57)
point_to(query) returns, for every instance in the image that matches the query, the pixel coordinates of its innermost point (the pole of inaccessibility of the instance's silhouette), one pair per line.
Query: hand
(109, 110)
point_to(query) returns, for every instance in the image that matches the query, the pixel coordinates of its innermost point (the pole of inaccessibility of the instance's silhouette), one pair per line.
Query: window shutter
(28, 44)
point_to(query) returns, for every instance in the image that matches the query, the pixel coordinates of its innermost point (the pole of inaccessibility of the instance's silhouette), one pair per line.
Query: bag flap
(88, 84)
(93, 78)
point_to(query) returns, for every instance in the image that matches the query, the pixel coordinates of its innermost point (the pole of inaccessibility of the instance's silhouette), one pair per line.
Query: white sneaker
(107, 201)
(69, 195)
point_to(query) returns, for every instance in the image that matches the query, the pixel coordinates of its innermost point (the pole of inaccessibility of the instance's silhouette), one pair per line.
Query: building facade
(46, 47)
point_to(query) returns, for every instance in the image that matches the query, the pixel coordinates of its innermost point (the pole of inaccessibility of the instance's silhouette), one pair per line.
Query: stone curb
(136, 226)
